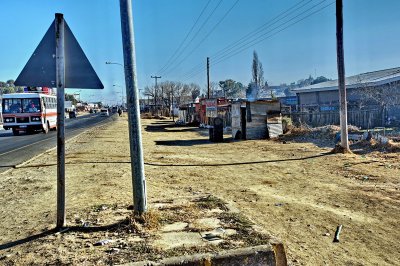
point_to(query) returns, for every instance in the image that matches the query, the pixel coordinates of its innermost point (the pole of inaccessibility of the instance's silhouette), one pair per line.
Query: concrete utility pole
(60, 83)
(208, 78)
(341, 76)
(155, 91)
(132, 95)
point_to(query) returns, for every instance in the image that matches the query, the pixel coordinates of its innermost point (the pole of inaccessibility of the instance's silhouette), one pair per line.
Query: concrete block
(273, 255)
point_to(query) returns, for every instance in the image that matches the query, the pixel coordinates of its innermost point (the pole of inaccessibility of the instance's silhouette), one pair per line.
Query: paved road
(17, 149)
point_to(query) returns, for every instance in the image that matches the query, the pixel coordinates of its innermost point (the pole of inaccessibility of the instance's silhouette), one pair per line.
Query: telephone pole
(208, 78)
(132, 99)
(155, 91)
(341, 77)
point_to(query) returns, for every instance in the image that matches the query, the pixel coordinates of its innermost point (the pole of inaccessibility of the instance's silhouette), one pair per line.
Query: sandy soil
(295, 191)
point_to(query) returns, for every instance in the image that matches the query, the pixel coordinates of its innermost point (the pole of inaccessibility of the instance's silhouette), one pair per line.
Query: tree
(194, 90)
(257, 70)
(383, 97)
(319, 80)
(71, 97)
(9, 87)
(231, 88)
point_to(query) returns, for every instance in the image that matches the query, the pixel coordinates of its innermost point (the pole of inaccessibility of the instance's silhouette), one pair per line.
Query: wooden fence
(360, 118)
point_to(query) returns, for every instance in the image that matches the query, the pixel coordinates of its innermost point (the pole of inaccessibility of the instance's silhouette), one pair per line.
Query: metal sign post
(60, 82)
(59, 62)
(135, 135)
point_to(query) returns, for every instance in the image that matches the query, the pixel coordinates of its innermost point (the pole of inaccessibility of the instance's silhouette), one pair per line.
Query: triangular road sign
(40, 71)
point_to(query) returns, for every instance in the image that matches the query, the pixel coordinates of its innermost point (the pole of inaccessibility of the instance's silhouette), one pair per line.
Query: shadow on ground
(188, 142)
(170, 127)
(61, 231)
(316, 139)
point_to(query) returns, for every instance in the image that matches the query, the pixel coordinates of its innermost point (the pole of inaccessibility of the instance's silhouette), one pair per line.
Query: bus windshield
(31, 105)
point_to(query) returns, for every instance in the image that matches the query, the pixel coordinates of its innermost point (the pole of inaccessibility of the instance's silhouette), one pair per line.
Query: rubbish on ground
(103, 242)
(337, 233)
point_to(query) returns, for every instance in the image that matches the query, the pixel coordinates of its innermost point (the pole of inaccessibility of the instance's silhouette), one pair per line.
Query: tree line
(9, 87)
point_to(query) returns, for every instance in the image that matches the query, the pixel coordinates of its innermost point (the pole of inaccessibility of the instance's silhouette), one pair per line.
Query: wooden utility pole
(172, 103)
(341, 77)
(155, 91)
(60, 83)
(132, 96)
(208, 78)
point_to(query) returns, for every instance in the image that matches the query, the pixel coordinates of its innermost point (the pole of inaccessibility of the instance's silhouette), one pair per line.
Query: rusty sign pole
(60, 84)
(132, 95)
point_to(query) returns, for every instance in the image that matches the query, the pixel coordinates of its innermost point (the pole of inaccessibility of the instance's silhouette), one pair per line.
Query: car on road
(104, 112)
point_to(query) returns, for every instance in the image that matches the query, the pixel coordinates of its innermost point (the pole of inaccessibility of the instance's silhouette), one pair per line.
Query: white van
(104, 112)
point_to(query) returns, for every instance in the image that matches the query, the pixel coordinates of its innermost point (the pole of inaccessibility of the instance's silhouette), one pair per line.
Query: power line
(206, 36)
(195, 35)
(258, 41)
(187, 35)
(251, 42)
(255, 40)
(257, 30)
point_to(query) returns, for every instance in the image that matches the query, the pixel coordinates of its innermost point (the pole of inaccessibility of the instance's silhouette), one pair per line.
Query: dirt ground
(295, 190)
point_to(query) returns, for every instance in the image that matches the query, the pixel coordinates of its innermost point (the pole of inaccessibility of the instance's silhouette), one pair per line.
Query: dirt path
(295, 191)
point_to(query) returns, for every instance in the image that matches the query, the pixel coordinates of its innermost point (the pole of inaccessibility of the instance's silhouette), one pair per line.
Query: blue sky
(372, 38)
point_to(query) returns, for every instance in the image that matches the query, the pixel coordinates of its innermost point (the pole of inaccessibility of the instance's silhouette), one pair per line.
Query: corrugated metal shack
(260, 119)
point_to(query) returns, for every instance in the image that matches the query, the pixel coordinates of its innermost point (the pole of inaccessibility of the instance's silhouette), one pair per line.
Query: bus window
(31, 105)
(12, 106)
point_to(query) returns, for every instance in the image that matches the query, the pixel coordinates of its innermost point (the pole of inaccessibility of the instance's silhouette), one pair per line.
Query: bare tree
(382, 97)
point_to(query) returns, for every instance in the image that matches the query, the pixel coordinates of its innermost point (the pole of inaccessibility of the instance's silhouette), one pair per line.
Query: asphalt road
(17, 149)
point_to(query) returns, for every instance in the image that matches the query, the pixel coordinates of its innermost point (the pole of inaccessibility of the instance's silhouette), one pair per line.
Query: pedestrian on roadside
(119, 111)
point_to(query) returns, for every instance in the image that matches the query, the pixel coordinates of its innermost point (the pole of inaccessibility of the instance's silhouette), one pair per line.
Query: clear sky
(371, 38)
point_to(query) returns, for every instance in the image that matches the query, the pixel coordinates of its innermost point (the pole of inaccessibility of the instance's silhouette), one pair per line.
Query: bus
(29, 112)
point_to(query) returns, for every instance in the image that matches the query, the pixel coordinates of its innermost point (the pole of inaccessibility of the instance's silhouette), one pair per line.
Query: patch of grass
(150, 220)
(236, 221)
(210, 202)
(186, 213)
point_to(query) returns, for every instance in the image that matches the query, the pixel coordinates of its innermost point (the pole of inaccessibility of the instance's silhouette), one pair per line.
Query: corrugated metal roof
(374, 78)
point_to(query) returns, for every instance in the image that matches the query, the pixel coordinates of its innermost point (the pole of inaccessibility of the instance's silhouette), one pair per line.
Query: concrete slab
(207, 223)
(178, 226)
(178, 239)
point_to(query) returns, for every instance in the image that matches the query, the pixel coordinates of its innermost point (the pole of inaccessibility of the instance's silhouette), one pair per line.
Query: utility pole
(208, 78)
(341, 77)
(172, 103)
(155, 91)
(60, 83)
(132, 95)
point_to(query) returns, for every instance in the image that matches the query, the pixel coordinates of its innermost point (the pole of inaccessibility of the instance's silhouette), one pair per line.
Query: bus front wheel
(15, 132)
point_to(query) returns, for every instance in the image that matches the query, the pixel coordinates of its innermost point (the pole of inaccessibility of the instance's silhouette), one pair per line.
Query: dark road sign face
(40, 71)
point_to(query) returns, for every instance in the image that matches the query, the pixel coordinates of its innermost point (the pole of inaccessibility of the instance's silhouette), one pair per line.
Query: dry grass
(150, 220)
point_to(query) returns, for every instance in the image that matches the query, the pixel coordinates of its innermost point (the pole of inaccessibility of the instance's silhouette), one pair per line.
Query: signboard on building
(211, 108)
